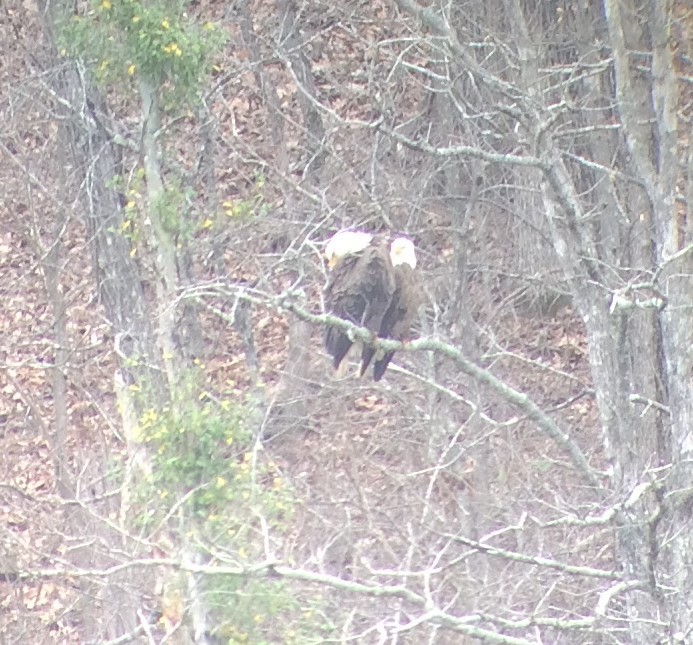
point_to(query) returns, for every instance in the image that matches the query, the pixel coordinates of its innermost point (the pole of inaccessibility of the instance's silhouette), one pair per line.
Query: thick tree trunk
(109, 607)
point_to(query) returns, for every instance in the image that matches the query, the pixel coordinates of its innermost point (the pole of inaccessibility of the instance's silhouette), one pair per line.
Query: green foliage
(263, 612)
(154, 39)
(204, 453)
(209, 472)
(129, 228)
(255, 206)
(173, 210)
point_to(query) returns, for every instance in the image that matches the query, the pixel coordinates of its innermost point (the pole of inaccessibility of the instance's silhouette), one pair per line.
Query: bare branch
(269, 569)
(286, 302)
(463, 151)
(536, 560)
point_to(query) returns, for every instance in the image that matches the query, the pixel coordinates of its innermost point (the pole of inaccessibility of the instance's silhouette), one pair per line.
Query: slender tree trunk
(292, 50)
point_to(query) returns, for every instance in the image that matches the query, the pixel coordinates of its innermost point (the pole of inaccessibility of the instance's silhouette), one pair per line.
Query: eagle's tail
(366, 357)
(380, 366)
(337, 344)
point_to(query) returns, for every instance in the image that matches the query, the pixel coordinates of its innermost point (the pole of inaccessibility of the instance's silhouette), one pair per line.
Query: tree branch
(287, 302)
(536, 560)
(269, 569)
(463, 151)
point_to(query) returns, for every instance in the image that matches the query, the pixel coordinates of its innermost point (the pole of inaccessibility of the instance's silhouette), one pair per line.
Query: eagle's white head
(402, 252)
(346, 242)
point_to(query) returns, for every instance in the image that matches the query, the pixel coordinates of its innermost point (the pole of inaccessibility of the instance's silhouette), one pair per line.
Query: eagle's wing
(343, 299)
(405, 303)
(359, 290)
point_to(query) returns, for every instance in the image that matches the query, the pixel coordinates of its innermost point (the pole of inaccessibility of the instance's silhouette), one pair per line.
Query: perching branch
(270, 569)
(287, 302)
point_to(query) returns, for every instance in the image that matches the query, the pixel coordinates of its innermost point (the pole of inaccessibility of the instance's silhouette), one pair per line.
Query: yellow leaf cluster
(172, 49)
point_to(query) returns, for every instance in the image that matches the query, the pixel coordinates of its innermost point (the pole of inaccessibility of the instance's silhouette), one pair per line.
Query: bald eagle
(405, 302)
(344, 243)
(360, 288)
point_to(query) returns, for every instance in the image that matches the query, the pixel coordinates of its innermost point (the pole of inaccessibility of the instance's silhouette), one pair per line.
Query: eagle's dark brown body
(397, 320)
(360, 290)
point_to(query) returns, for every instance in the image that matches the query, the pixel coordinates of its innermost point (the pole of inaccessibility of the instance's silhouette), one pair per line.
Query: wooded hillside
(178, 461)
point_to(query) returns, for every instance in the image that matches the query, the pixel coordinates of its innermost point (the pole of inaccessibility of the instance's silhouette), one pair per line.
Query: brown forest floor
(348, 428)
